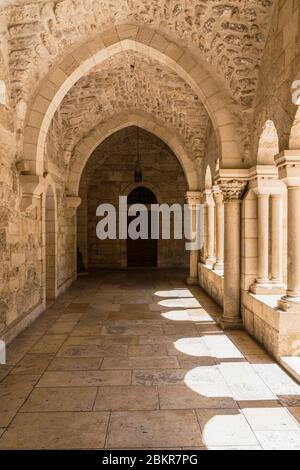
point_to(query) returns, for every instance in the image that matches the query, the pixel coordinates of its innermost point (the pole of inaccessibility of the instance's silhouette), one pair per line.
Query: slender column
(219, 265)
(210, 229)
(232, 192)
(193, 199)
(277, 239)
(288, 163)
(262, 281)
(291, 301)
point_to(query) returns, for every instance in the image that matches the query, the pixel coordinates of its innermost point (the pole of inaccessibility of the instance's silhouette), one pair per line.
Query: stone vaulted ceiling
(228, 35)
(133, 82)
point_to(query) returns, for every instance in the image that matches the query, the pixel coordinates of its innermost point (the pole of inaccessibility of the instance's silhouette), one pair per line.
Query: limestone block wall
(109, 179)
(212, 283)
(279, 68)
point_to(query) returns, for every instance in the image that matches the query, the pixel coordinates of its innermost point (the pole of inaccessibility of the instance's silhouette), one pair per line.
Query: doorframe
(123, 243)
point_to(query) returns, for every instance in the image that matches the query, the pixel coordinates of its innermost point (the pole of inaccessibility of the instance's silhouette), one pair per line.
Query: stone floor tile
(14, 390)
(278, 440)
(270, 419)
(277, 379)
(183, 329)
(93, 378)
(159, 376)
(176, 397)
(142, 362)
(4, 371)
(77, 307)
(154, 429)
(60, 399)
(245, 344)
(158, 339)
(295, 412)
(62, 327)
(93, 350)
(244, 383)
(148, 350)
(132, 330)
(75, 363)
(58, 430)
(127, 398)
(32, 364)
(48, 344)
(225, 428)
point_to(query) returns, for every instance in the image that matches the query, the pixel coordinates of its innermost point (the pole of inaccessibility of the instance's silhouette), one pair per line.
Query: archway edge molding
(87, 145)
(76, 64)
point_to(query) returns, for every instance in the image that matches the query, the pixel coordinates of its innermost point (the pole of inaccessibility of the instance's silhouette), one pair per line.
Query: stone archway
(87, 145)
(63, 77)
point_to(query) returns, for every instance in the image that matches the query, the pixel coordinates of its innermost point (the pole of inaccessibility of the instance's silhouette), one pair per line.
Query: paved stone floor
(135, 359)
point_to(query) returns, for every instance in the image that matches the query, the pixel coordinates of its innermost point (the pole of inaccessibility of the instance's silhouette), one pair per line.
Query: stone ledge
(212, 282)
(277, 331)
(292, 365)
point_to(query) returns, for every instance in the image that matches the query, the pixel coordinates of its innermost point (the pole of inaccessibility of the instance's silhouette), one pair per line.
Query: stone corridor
(135, 360)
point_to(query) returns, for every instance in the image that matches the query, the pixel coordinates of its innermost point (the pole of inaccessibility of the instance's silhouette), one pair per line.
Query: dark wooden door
(142, 253)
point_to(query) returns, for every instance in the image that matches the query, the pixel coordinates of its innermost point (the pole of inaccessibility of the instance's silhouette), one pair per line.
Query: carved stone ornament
(233, 190)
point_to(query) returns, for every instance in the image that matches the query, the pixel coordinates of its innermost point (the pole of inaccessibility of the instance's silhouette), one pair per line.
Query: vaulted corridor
(135, 360)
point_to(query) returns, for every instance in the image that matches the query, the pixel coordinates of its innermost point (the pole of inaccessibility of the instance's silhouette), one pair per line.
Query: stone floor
(135, 359)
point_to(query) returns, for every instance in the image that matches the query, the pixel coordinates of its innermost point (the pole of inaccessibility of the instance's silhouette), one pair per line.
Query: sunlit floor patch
(195, 315)
(218, 346)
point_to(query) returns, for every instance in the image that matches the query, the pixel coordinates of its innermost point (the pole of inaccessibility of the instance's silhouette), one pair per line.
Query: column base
(219, 267)
(260, 288)
(231, 323)
(210, 262)
(289, 304)
(192, 281)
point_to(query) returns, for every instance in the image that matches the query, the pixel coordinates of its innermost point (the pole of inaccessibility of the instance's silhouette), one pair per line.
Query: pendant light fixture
(138, 175)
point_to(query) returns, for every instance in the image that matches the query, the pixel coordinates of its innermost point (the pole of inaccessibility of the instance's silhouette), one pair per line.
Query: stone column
(288, 163)
(277, 240)
(219, 265)
(233, 191)
(193, 199)
(262, 280)
(210, 228)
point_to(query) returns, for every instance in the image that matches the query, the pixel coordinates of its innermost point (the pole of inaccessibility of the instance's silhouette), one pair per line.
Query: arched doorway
(50, 245)
(142, 253)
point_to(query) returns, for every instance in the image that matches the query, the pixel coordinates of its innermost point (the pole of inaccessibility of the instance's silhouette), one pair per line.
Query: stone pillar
(233, 191)
(210, 228)
(262, 280)
(193, 199)
(277, 240)
(288, 163)
(73, 203)
(219, 265)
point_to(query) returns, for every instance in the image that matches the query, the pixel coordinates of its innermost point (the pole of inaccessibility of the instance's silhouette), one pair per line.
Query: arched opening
(110, 173)
(50, 245)
(142, 253)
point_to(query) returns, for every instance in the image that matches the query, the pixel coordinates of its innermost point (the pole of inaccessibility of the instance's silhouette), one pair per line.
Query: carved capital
(233, 189)
(193, 197)
(217, 194)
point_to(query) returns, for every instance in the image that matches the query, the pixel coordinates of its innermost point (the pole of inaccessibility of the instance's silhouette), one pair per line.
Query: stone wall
(109, 179)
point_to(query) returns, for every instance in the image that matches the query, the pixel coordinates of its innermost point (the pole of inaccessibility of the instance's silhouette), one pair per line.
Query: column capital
(217, 194)
(233, 189)
(288, 164)
(193, 197)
